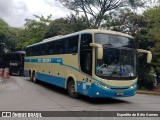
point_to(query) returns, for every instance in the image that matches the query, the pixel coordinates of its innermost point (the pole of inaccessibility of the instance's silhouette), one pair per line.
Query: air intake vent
(119, 88)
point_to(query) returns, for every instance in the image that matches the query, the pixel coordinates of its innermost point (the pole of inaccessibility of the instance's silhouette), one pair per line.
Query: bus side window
(42, 50)
(73, 44)
(66, 45)
(36, 50)
(59, 47)
(86, 53)
(28, 51)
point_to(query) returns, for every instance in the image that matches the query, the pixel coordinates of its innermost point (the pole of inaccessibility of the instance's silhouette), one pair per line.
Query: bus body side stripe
(58, 81)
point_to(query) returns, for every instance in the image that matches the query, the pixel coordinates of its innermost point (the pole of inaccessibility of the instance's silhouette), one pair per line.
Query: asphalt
(4, 84)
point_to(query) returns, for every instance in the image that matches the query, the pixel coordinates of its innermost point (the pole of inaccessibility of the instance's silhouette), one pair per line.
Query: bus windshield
(119, 57)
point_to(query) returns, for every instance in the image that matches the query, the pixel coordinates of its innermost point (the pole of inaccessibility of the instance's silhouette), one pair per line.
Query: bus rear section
(14, 61)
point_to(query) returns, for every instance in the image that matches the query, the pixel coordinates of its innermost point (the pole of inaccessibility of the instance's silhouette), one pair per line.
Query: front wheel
(71, 90)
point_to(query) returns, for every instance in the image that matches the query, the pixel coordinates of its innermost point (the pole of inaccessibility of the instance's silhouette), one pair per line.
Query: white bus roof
(92, 31)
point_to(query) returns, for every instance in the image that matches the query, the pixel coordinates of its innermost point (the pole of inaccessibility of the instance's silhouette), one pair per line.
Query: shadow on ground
(81, 97)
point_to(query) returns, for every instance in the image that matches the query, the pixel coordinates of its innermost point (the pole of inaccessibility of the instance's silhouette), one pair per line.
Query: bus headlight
(102, 85)
(133, 86)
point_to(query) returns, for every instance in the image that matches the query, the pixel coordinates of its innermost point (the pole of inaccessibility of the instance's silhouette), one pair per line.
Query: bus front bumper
(97, 91)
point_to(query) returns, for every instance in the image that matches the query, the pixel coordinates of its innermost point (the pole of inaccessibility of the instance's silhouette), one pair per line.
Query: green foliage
(8, 37)
(57, 27)
(152, 16)
(3, 30)
(145, 79)
(153, 21)
(147, 82)
(62, 26)
(33, 32)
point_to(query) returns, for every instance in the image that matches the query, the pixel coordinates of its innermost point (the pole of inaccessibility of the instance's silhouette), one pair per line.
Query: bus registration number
(119, 93)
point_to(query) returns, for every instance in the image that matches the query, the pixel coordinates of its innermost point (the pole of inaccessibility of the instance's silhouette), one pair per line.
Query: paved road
(20, 94)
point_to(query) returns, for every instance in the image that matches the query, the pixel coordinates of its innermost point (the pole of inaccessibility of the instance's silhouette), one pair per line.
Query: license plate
(119, 93)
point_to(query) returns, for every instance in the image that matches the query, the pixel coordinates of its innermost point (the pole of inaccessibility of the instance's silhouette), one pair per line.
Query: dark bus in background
(14, 61)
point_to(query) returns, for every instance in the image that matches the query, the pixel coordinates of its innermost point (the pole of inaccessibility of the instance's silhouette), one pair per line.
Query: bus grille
(119, 88)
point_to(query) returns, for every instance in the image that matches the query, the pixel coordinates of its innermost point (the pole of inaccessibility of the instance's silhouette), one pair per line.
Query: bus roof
(16, 52)
(92, 31)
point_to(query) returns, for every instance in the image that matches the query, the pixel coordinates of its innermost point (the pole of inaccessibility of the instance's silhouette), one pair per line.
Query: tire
(30, 77)
(71, 89)
(34, 77)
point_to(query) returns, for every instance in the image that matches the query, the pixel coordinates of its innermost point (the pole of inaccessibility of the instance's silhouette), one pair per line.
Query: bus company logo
(6, 114)
(44, 60)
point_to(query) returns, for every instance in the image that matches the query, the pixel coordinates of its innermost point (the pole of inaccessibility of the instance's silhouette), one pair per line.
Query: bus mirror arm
(149, 54)
(99, 50)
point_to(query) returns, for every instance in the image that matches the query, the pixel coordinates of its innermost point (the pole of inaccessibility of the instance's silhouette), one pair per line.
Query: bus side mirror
(99, 50)
(149, 54)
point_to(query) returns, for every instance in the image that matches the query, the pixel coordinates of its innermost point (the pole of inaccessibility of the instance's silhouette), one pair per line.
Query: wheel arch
(71, 78)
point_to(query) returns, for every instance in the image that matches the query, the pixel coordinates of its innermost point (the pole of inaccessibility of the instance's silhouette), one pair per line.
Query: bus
(93, 62)
(14, 61)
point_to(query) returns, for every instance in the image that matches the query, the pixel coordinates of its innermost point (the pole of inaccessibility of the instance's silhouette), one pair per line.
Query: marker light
(97, 93)
(133, 86)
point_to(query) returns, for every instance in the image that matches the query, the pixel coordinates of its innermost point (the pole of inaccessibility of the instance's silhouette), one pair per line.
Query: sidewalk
(147, 92)
(155, 91)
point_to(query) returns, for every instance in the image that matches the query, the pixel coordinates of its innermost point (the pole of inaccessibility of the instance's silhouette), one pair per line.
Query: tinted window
(59, 47)
(71, 44)
(51, 48)
(27, 52)
(62, 46)
(114, 40)
(86, 54)
(86, 39)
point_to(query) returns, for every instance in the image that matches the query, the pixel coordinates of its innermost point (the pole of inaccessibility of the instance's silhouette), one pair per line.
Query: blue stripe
(50, 60)
(45, 60)
(58, 81)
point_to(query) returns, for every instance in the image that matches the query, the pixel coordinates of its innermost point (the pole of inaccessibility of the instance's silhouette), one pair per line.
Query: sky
(14, 12)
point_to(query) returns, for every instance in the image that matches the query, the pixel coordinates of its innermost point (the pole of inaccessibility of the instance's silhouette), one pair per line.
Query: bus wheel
(71, 89)
(30, 77)
(34, 77)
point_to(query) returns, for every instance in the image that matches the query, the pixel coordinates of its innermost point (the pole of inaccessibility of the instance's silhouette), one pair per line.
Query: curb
(148, 92)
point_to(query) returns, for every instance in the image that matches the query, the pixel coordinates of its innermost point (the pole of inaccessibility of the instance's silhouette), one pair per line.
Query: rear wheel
(34, 77)
(71, 89)
(30, 76)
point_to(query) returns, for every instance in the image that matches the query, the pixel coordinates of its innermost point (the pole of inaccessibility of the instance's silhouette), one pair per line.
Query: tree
(153, 24)
(3, 30)
(56, 27)
(62, 26)
(8, 37)
(96, 9)
(33, 32)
